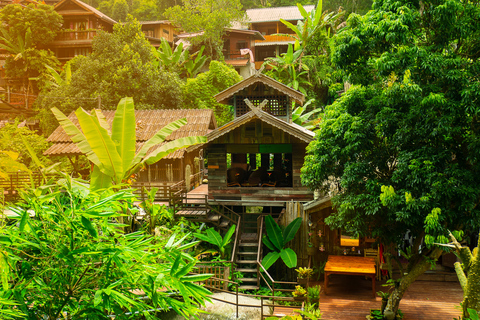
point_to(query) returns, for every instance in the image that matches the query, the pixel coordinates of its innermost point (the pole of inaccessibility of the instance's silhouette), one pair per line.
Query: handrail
(235, 247)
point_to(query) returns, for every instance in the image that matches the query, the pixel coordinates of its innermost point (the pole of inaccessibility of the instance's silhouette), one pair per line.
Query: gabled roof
(85, 7)
(256, 35)
(276, 13)
(294, 130)
(225, 95)
(148, 122)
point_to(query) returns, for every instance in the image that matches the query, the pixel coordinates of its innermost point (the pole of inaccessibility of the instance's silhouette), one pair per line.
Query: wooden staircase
(196, 208)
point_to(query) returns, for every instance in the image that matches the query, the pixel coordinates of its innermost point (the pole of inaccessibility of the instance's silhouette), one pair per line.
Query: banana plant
(193, 67)
(276, 239)
(8, 163)
(213, 237)
(56, 79)
(166, 57)
(16, 47)
(112, 151)
(304, 119)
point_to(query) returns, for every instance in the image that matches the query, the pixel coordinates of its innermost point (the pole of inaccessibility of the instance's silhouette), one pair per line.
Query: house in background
(267, 22)
(238, 48)
(80, 24)
(155, 31)
(169, 170)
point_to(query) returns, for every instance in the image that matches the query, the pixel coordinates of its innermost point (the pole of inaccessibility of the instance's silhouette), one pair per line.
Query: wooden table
(350, 265)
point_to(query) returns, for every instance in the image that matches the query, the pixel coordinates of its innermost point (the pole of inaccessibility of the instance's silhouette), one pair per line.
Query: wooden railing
(140, 189)
(276, 38)
(68, 35)
(20, 180)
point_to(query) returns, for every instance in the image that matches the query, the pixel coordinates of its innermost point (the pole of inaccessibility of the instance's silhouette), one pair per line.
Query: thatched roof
(199, 123)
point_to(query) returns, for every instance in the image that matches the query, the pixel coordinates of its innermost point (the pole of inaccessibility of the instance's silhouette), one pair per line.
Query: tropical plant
(276, 241)
(179, 59)
(304, 273)
(304, 119)
(113, 154)
(16, 47)
(9, 163)
(156, 214)
(73, 261)
(213, 237)
(312, 24)
(299, 292)
(313, 294)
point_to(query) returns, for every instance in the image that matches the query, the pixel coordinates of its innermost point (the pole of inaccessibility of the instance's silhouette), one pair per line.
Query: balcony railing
(69, 35)
(275, 38)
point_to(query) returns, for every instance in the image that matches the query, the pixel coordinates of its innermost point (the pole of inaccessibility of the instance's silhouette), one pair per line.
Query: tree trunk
(397, 294)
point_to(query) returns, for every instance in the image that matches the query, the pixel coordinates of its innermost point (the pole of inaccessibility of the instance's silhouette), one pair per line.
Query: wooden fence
(18, 181)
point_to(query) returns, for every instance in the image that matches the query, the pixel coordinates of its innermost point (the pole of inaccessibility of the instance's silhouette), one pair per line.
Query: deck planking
(348, 298)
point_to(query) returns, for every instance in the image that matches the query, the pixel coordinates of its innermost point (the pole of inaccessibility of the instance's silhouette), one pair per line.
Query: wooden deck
(349, 298)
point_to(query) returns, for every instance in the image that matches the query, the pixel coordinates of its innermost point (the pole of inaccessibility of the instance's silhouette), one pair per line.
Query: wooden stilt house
(254, 166)
(168, 171)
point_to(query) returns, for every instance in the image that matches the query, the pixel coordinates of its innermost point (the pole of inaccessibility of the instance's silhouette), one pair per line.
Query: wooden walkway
(350, 298)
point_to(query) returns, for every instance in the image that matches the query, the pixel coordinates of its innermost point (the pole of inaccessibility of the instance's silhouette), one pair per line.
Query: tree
(113, 151)
(401, 146)
(25, 33)
(121, 65)
(208, 16)
(200, 91)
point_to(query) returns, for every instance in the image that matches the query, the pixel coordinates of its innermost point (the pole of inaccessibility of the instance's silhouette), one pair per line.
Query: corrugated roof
(87, 7)
(276, 13)
(225, 95)
(149, 122)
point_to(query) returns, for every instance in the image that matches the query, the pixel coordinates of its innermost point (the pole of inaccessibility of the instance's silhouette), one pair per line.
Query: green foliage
(401, 146)
(42, 20)
(303, 118)
(11, 139)
(113, 152)
(120, 65)
(9, 163)
(72, 259)
(200, 91)
(209, 16)
(313, 294)
(180, 60)
(276, 239)
(213, 237)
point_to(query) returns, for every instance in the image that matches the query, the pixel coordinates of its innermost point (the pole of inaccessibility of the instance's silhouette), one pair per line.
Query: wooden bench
(350, 265)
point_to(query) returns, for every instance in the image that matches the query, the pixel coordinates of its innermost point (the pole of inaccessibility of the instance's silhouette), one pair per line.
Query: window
(241, 44)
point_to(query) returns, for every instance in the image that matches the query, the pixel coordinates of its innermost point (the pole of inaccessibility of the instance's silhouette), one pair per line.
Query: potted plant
(303, 274)
(299, 293)
(310, 246)
(313, 295)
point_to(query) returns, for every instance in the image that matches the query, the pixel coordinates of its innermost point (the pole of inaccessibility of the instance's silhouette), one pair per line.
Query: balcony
(73, 35)
(276, 39)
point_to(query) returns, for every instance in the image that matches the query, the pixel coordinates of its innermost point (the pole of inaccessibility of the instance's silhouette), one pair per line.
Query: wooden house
(267, 22)
(254, 167)
(169, 170)
(238, 48)
(156, 30)
(80, 24)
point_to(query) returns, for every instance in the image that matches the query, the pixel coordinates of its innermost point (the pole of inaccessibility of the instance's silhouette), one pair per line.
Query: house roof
(155, 22)
(293, 129)
(237, 62)
(86, 7)
(148, 122)
(256, 35)
(276, 13)
(7, 108)
(225, 95)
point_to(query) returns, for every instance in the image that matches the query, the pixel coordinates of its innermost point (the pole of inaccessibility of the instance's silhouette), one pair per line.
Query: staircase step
(224, 224)
(247, 261)
(192, 213)
(246, 270)
(248, 244)
(247, 253)
(214, 218)
(248, 287)
(247, 279)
